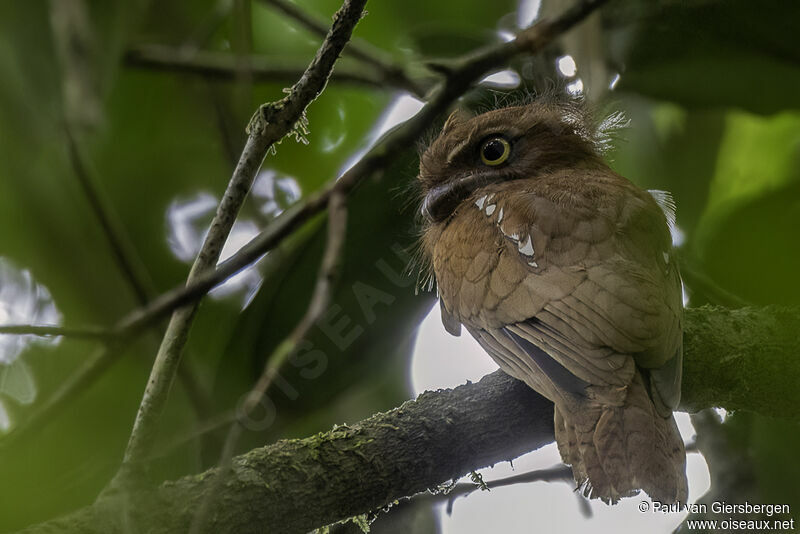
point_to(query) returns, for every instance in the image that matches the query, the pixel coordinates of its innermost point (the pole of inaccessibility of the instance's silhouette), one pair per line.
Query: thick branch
(297, 485)
(737, 359)
(743, 359)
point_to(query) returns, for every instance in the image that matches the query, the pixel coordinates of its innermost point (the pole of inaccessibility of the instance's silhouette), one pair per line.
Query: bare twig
(461, 75)
(81, 102)
(320, 299)
(76, 49)
(223, 66)
(208, 26)
(392, 74)
(53, 331)
(127, 259)
(91, 369)
(271, 123)
(557, 473)
(268, 266)
(462, 489)
(116, 237)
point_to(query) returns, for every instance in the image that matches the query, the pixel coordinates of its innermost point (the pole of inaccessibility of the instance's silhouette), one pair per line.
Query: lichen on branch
(733, 357)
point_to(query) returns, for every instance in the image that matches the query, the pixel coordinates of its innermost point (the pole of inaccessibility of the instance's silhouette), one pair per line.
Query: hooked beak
(441, 201)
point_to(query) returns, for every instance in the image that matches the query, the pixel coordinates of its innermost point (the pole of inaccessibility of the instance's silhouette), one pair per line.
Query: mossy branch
(743, 359)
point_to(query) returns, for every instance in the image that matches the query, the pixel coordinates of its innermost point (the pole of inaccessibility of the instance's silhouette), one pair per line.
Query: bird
(565, 274)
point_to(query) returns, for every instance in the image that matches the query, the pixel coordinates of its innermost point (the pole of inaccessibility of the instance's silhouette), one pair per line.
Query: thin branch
(77, 54)
(320, 299)
(558, 473)
(91, 369)
(465, 71)
(226, 67)
(460, 76)
(102, 357)
(392, 74)
(126, 256)
(270, 124)
(76, 49)
(54, 331)
(208, 26)
(121, 247)
(202, 429)
(268, 266)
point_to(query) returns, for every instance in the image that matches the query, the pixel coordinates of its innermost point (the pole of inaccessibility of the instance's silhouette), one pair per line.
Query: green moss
(477, 479)
(362, 521)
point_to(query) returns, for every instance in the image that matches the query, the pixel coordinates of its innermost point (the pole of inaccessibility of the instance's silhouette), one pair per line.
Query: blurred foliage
(735, 53)
(710, 88)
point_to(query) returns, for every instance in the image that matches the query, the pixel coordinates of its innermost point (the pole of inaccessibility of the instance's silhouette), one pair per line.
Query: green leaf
(747, 235)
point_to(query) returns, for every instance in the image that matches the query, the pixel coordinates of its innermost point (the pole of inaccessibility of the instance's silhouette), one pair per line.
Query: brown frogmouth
(564, 272)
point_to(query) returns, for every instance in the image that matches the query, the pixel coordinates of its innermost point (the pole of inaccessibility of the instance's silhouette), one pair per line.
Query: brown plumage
(563, 271)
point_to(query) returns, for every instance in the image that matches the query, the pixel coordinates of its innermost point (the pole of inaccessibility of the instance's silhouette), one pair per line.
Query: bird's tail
(617, 450)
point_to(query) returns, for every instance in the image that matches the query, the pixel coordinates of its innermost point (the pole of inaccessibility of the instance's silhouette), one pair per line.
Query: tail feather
(615, 451)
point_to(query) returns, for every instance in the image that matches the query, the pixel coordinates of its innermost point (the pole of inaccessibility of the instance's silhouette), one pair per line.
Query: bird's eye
(495, 151)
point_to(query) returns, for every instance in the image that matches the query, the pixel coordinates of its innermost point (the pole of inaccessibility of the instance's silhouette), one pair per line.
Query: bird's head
(506, 144)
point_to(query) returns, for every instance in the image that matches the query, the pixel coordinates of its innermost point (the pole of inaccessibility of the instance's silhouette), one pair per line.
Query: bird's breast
(482, 255)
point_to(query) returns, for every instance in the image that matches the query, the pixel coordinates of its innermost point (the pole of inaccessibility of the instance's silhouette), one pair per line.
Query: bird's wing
(570, 294)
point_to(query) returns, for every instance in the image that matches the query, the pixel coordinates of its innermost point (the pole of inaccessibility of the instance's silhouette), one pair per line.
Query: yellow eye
(495, 151)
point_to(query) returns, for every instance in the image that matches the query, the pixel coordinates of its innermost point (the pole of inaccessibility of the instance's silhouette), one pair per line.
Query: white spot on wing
(480, 202)
(533, 263)
(526, 247)
(512, 236)
(490, 209)
(500, 216)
